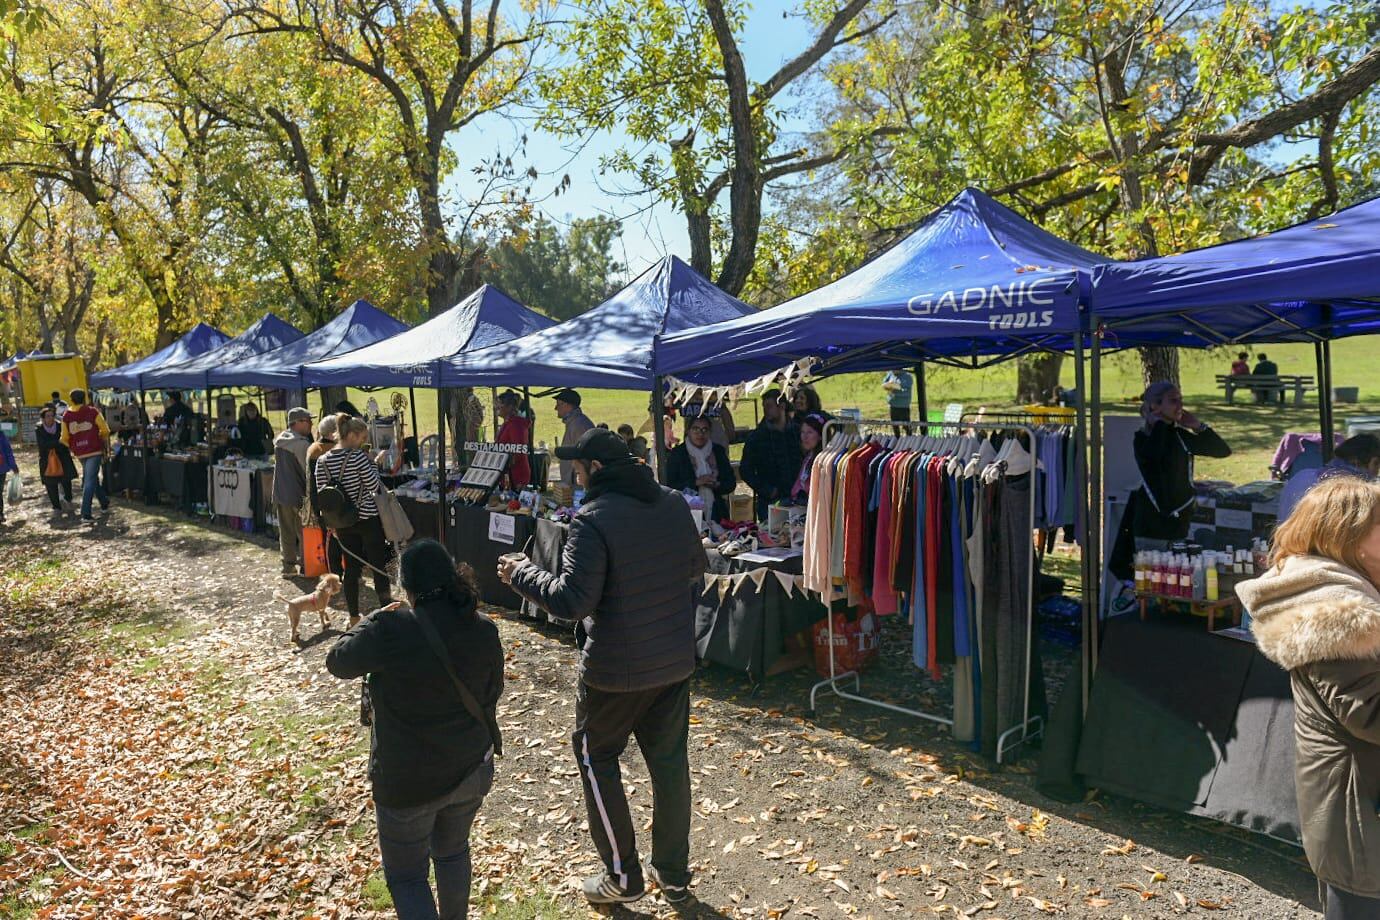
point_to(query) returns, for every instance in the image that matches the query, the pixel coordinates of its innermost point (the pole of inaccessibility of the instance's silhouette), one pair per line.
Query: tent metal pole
(1083, 526)
(1324, 423)
(922, 396)
(441, 464)
(1096, 506)
(531, 433)
(412, 407)
(658, 409)
(493, 408)
(1326, 400)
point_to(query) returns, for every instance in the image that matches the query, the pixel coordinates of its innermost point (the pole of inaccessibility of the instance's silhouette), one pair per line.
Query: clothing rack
(831, 683)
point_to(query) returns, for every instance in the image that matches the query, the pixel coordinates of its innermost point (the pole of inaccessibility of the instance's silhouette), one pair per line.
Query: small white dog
(318, 600)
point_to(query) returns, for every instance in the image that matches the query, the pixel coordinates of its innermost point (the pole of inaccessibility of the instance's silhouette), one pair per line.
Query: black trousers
(660, 720)
(52, 486)
(1343, 905)
(366, 541)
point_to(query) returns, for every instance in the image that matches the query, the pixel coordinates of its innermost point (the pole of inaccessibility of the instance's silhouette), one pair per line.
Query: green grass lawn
(1252, 430)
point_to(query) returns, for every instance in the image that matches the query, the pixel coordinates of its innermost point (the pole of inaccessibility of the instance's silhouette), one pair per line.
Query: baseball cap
(298, 415)
(596, 444)
(568, 396)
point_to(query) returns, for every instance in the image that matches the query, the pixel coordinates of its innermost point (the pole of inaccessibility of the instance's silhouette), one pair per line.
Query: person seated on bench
(1264, 367)
(1241, 365)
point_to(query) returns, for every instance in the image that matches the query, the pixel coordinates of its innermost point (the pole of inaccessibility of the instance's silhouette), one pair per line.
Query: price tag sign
(502, 528)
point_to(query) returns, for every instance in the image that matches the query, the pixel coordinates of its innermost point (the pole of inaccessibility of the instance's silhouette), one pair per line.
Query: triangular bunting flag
(787, 582)
(758, 576)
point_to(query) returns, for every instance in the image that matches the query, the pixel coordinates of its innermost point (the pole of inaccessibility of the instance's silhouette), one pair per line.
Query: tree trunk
(330, 397)
(1036, 378)
(1159, 362)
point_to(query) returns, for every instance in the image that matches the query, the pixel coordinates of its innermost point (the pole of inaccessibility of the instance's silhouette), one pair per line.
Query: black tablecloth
(548, 543)
(1192, 722)
(467, 536)
(183, 481)
(746, 630)
(262, 498)
(425, 517)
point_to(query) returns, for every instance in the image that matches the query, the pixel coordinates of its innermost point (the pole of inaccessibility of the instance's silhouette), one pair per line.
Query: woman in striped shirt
(350, 467)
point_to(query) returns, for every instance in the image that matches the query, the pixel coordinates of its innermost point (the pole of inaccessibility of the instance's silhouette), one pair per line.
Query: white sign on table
(502, 528)
(231, 491)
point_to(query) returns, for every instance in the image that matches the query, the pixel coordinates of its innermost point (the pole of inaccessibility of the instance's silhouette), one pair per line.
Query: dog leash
(362, 562)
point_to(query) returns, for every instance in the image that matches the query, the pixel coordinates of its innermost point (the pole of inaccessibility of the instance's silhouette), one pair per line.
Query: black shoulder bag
(485, 717)
(334, 505)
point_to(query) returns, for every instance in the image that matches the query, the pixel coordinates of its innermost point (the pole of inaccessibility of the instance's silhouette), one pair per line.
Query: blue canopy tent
(486, 317)
(608, 347)
(1306, 283)
(358, 325)
(974, 278)
(268, 333)
(200, 339)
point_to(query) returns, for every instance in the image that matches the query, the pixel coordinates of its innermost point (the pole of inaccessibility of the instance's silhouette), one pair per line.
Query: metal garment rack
(832, 681)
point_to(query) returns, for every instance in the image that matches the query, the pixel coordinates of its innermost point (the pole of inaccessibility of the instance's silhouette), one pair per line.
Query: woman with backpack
(435, 674)
(347, 480)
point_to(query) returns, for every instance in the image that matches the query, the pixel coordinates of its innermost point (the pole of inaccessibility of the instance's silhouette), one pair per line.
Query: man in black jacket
(626, 577)
(771, 456)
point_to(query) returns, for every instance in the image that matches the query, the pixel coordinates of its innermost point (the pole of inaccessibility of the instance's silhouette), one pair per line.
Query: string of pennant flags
(728, 585)
(787, 379)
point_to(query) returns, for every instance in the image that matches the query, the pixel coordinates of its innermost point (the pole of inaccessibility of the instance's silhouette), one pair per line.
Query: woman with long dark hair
(1316, 613)
(431, 757)
(516, 429)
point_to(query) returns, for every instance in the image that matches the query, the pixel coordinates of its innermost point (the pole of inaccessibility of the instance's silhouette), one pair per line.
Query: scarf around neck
(705, 465)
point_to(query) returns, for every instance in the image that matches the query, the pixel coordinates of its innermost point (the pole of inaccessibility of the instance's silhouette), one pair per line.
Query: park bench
(1274, 385)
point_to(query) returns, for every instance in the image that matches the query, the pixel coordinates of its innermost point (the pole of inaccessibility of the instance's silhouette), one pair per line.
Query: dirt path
(173, 756)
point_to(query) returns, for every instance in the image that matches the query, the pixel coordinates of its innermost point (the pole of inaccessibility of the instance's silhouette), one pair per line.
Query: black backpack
(337, 509)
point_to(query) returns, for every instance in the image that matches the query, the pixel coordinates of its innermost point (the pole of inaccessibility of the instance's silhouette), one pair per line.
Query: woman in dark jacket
(1164, 449)
(1316, 613)
(48, 436)
(700, 465)
(430, 759)
(256, 434)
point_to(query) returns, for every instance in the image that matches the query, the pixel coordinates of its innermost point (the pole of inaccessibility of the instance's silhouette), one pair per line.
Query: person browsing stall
(431, 758)
(1357, 456)
(576, 424)
(59, 405)
(55, 466)
(627, 577)
(516, 429)
(87, 436)
(290, 485)
(1316, 613)
(806, 402)
(347, 481)
(1165, 446)
(700, 465)
(771, 455)
(7, 465)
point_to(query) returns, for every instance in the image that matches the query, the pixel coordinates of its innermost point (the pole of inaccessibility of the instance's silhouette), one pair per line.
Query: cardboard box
(740, 508)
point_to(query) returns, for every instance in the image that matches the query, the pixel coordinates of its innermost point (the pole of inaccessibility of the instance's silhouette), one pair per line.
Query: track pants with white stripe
(660, 720)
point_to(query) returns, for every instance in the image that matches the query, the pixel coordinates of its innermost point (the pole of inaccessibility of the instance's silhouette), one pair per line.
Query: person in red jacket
(87, 436)
(516, 429)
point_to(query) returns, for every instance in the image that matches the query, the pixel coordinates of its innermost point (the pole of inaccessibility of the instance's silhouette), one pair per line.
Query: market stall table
(478, 536)
(746, 629)
(1194, 722)
(545, 550)
(183, 481)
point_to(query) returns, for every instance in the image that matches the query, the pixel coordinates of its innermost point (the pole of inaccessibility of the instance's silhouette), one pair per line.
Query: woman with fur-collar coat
(1316, 613)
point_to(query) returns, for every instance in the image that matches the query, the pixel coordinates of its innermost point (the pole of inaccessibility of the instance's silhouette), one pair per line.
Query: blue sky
(650, 230)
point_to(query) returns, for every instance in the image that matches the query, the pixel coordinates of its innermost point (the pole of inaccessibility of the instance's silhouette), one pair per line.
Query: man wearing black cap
(576, 424)
(626, 578)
